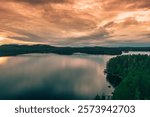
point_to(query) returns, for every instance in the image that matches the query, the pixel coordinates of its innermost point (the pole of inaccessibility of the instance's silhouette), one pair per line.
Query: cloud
(74, 21)
(26, 36)
(100, 34)
(34, 2)
(42, 1)
(126, 4)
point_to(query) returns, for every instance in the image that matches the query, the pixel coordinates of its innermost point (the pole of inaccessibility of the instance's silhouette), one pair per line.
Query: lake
(50, 76)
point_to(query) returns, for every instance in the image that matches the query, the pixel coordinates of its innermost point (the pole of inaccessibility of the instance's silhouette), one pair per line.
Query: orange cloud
(74, 22)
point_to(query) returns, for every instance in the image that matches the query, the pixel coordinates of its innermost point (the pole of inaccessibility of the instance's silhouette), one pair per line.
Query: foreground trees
(130, 75)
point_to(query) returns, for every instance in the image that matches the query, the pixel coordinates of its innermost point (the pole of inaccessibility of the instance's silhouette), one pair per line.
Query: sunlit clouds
(2, 38)
(75, 22)
(140, 16)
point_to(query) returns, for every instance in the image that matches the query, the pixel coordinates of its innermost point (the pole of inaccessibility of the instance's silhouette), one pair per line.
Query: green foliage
(135, 72)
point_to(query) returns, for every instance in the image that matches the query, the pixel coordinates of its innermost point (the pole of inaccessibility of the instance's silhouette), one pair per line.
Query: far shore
(14, 50)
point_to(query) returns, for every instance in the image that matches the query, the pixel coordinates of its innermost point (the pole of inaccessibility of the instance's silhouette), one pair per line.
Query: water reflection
(3, 60)
(53, 77)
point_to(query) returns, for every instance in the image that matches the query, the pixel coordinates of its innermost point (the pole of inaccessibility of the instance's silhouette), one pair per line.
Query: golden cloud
(74, 21)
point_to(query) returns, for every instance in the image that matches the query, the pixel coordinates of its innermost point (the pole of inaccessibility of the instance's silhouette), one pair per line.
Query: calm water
(52, 76)
(49, 76)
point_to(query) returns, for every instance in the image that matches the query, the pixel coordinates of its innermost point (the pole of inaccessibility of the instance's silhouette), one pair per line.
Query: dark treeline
(127, 49)
(12, 50)
(130, 74)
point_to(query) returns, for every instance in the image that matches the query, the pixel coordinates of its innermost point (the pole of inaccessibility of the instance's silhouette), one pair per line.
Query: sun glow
(13, 41)
(1, 38)
(3, 60)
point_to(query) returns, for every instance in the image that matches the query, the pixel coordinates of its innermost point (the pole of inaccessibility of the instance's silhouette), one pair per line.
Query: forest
(130, 75)
(15, 49)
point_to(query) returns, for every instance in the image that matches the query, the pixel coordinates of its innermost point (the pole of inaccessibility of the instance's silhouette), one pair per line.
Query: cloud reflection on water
(52, 77)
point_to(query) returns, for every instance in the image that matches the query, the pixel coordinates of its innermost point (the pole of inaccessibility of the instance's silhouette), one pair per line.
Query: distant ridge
(15, 49)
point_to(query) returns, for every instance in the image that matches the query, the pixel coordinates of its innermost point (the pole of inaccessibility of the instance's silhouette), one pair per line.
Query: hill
(14, 49)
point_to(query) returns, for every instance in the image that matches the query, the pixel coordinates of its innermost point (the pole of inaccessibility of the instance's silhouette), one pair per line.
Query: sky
(75, 22)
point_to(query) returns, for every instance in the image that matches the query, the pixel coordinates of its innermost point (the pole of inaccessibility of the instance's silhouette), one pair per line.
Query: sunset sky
(75, 22)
